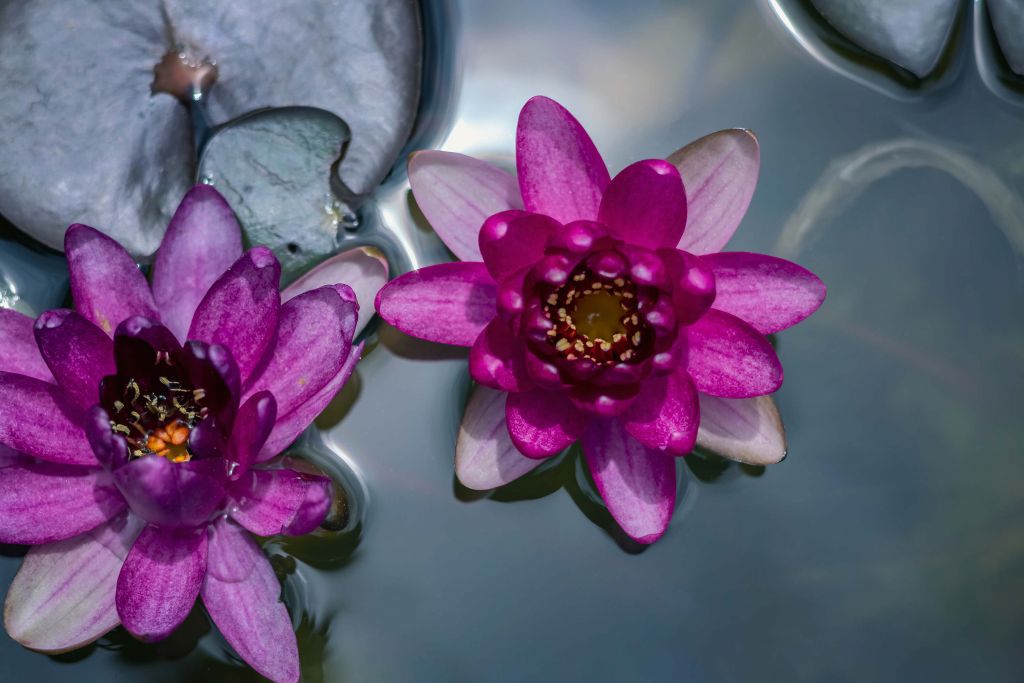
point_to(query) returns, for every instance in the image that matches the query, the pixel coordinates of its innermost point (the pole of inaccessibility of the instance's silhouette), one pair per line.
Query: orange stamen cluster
(170, 441)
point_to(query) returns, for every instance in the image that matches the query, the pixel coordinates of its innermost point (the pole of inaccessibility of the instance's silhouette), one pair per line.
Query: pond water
(889, 545)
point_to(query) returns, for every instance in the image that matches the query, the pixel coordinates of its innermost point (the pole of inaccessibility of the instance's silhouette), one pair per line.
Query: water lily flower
(138, 429)
(592, 315)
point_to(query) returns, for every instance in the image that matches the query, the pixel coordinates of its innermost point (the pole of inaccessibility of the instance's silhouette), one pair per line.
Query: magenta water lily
(138, 430)
(602, 310)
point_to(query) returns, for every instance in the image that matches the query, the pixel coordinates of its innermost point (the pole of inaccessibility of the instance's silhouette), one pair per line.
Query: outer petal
(729, 358)
(456, 193)
(449, 303)
(496, 359)
(561, 173)
(240, 310)
(638, 484)
(720, 173)
(36, 418)
(360, 268)
(201, 242)
(512, 240)
(268, 502)
(665, 415)
(543, 423)
(44, 502)
(160, 581)
(769, 293)
(20, 353)
(172, 495)
(485, 457)
(106, 283)
(645, 204)
(63, 596)
(242, 596)
(747, 429)
(78, 353)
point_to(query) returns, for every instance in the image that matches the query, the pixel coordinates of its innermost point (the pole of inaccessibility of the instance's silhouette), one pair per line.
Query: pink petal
(638, 484)
(730, 359)
(543, 423)
(242, 596)
(720, 173)
(255, 421)
(160, 581)
(78, 353)
(37, 419)
(645, 205)
(63, 596)
(456, 193)
(512, 240)
(485, 457)
(449, 303)
(496, 359)
(360, 268)
(747, 429)
(665, 415)
(20, 352)
(106, 283)
(769, 293)
(269, 502)
(561, 173)
(201, 242)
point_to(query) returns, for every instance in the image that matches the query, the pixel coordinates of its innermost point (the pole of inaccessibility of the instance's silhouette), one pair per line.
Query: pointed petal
(21, 354)
(78, 353)
(172, 495)
(269, 502)
(720, 173)
(561, 173)
(42, 502)
(769, 293)
(449, 303)
(496, 359)
(665, 415)
(512, 240)
(160, 581)
(485, 457)
(201, 242)
(37, 419)
(253, 425)
(746, 429)
(456, 193)
(106, 283)
(242, 596)
(360, 268)
(638, 484)
(543, 423)
(645, 205)
(729, 358)
(63, 596)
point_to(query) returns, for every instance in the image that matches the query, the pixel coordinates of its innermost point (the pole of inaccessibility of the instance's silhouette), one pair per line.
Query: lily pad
(1008, 22)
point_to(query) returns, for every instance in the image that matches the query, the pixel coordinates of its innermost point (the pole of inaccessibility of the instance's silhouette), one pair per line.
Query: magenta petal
(314, 338)
(63, 596)
(456, 193)
(106, 283)
(253, 425)
(543, 423)
(361, 269)
(289, 426)
(240, 310)
(665, 415)
(20, 352)
(645, 205)
(561, 173)
(242, 596)
(169, 494)
(78, 353)
(720, 173)
(110, 448)
(638, 484)
(201, 242)
(160, 581)
(449, 303)
(497, 359)
(730, 359)
(485, 457)
(269, 502)
(36, 418)
(769, 293)
(746, 429)
(42, 502)
(512, 240)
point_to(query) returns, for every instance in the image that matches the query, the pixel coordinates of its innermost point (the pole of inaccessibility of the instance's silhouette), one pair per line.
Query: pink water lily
(137, 432)
(593, 315)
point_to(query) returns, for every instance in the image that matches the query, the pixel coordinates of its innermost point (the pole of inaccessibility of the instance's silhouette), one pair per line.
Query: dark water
(890, 543)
